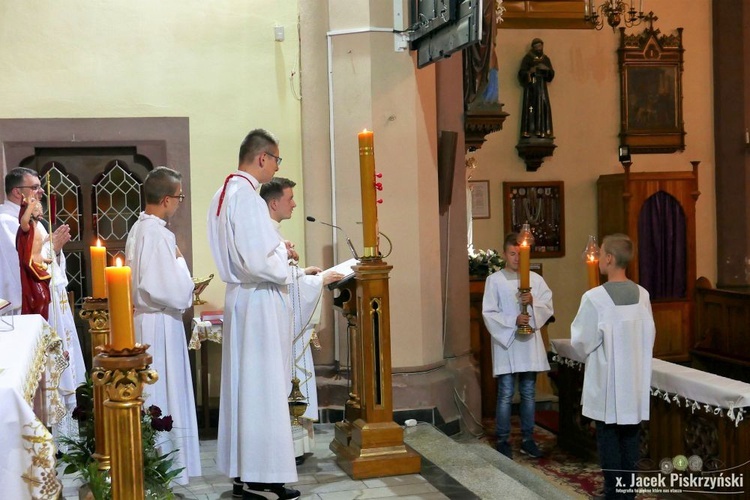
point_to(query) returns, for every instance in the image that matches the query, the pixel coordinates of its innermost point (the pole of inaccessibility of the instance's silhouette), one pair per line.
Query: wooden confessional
(657, 210)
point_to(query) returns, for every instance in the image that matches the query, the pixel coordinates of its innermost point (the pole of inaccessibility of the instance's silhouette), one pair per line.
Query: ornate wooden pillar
(368, 443)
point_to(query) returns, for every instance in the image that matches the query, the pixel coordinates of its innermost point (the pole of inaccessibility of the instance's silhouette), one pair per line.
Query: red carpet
(557, 466)
(582, 477)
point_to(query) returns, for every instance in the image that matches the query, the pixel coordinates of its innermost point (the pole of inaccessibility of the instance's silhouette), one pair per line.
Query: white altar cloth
(683, 385)
(27, 452)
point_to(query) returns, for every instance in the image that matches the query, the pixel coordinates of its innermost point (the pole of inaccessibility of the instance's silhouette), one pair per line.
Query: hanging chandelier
(613, 12)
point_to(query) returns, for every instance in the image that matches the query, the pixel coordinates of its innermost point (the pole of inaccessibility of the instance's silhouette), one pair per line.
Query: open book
(3, 304)
(344, 268)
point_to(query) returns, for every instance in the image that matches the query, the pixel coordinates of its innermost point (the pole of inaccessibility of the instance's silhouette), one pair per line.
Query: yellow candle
(592, 266)
(98, 263)
(121, 331)
(524, 261)
(369, 202)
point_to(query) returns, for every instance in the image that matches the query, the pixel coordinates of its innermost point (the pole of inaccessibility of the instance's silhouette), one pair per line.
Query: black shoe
(530, 448)
(277, 488)
(237, 486)
(249, 495)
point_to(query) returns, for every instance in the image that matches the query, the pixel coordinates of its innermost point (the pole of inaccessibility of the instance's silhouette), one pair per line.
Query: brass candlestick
(524, 329)
(122, 375)
(96, 313)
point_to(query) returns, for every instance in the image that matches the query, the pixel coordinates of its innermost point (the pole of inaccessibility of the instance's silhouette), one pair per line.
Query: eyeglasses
(35, 187)
(278, 158)
(180, 197)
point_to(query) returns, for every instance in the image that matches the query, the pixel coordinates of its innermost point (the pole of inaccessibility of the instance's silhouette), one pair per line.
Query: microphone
(348, 241)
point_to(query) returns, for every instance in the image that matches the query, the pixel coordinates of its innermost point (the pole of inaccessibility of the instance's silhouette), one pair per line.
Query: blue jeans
(619, 450)
(505, 390)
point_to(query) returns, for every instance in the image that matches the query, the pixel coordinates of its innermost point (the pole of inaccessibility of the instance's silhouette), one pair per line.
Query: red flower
(154, 411)
(79, 414)
(162, 424)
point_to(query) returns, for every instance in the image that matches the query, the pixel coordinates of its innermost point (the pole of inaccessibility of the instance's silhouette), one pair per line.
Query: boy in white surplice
(162, 290)
(514, 354)
(614, 330)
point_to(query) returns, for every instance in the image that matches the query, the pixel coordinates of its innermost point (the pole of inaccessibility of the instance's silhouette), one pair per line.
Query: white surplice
(162, 290)
(617, 343)
(60, 311)
(513, 352)
(255, 438)
(305, 292)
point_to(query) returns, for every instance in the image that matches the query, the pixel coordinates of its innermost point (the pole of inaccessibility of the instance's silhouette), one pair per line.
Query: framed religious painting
(480, 199)
(651, 90)
(542, 206)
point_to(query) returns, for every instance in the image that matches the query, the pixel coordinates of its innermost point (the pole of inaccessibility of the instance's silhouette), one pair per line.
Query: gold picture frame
(651, 90)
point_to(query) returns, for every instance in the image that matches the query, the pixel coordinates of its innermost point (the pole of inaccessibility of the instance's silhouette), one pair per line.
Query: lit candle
(592, 264)
(121, 331)
(524, 255)
(369, 202)
(98, 263)
(524, 261)
(591, 258)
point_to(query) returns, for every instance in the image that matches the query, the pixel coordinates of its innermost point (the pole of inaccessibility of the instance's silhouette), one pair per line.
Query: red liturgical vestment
(34, 276)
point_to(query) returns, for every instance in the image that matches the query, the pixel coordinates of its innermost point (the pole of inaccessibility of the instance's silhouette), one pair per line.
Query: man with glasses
(23, 183)
(255, 438)
(162, 290)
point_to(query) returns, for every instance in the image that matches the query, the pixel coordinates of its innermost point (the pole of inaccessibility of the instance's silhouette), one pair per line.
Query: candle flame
(592, 258)
(118, 262)
(524, 243)
(98, 243)
(364, 131)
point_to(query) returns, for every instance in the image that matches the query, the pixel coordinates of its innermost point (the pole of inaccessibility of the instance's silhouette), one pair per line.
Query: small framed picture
(480, 199)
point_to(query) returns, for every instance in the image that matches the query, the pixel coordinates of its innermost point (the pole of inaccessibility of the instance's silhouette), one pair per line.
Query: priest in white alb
(21, 182)
(255, 439)
(162, 290)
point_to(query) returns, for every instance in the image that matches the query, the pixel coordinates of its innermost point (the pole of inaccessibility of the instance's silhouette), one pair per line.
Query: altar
(692, 413)
(27, 452)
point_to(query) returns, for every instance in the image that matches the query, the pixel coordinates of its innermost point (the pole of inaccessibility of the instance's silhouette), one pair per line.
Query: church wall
(379, 89)
(215, 63)
(585, 97)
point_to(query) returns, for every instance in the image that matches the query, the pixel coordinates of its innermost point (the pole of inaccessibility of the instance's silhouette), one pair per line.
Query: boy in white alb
(162, 290)
(514, 354)
(614, 330)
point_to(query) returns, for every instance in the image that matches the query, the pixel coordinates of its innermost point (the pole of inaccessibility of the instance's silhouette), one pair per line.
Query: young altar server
(162, 289)
(516, 354)
(614, 330)
(305, 293)
(254, 445)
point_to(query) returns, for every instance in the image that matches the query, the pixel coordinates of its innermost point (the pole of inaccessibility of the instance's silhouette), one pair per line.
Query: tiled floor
(320, 478)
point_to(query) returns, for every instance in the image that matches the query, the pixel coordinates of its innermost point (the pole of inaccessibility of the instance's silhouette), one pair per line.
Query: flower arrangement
(482, 263)
(157, 468)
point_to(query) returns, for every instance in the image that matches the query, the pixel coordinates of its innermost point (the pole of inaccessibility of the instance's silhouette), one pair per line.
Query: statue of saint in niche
(536, 113)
